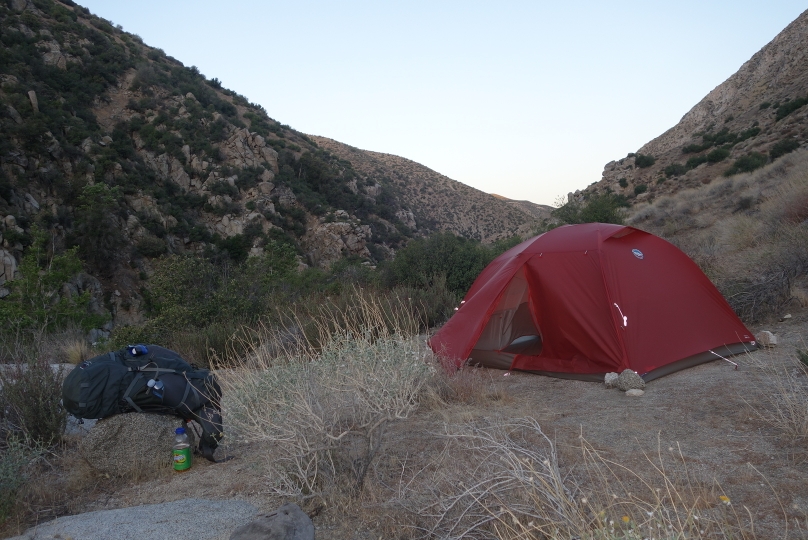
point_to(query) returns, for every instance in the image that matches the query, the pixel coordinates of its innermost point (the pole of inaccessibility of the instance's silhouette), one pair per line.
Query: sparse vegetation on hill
(114, 148)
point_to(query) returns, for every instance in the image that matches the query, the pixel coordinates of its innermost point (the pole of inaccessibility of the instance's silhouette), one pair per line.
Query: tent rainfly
(583, 300)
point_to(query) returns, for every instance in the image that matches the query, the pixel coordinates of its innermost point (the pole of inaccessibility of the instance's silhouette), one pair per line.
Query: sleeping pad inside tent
(580, 301)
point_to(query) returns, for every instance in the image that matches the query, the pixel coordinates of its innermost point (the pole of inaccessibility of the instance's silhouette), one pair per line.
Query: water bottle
(182, 450)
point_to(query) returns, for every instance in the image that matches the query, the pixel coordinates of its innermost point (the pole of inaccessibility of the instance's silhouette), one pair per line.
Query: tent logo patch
(637, 253)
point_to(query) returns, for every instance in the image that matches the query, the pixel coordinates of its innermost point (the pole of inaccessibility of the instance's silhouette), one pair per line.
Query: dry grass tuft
(502, 479)
(463, 386)
(783, 400)
(77, 351)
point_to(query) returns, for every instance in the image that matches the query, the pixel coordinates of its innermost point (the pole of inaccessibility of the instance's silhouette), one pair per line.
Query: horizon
(526, 101)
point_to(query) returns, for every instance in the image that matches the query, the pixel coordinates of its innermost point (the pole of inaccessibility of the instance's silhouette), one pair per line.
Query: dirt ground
(708, 412)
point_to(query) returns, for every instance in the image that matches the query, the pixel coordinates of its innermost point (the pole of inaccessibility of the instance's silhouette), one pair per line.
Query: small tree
(97, 229)
(36, 302)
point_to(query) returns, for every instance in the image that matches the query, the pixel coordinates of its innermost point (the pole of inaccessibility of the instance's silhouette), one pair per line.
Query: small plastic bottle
(182, 450)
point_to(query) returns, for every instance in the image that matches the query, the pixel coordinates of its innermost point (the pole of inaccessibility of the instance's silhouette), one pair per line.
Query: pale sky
(526, 99)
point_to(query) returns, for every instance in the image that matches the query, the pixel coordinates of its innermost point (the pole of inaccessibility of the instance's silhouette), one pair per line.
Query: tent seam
(618, 333)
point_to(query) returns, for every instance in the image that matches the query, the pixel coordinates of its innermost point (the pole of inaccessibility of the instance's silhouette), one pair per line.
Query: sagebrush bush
(31, 397)
(14, 460)
(320, 408)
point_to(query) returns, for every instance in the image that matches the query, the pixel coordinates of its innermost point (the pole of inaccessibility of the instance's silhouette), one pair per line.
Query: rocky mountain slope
(539, 211)
(437, 201)
(729, 183)
(754, 117)
(109, 145)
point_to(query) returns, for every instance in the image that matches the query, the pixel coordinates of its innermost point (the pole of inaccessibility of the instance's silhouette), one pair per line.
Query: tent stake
(722, 358)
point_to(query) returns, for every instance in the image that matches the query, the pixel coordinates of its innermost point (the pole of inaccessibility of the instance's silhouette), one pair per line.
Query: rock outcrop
(327, 242)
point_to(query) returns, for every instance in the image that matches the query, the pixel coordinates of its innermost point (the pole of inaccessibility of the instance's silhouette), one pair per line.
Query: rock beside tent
(628, 381)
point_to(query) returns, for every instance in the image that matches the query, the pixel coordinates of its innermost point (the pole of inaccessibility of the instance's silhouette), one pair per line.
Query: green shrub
(149, 246)
(675, 169)
(441, 256)
(222, 187)
(790, 106)
(695, 148)
(606, 208)
(749, 133)
(718, 155)
(765, 105)
(623, 183)
(97, 231)
(642, 188)
(747, 163)
(644, 161)
(783, 147)
(695, 161)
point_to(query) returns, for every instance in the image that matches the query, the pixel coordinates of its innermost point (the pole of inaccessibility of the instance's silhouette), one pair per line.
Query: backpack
(146, 378)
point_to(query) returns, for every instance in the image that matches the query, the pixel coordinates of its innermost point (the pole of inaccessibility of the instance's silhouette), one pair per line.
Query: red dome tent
(584, 300)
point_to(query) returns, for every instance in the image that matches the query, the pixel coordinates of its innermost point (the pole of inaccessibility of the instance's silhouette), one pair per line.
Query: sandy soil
(709, 412)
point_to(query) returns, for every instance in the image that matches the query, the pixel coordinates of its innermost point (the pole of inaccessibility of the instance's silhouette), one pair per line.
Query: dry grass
(466, 385)
(503, 479)
(783, 381)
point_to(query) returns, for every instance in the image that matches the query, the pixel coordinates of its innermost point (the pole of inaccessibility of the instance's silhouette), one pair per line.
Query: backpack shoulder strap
(129, 389)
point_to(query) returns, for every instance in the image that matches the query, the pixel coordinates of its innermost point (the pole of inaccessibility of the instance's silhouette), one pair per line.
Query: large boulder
(288, 522)
(630, 380)
(133, 444)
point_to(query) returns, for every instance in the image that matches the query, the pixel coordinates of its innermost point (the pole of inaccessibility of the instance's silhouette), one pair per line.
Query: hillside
(110, 146)
(754, 117)
(539, 211)
(729, 183)
(436, 201)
